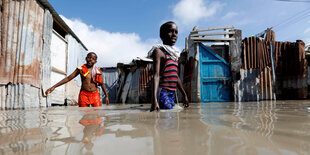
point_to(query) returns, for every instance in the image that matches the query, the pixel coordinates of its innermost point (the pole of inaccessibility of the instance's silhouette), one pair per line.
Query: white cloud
(111, 47)
(229, 15)
(307, 31)
(191, 11)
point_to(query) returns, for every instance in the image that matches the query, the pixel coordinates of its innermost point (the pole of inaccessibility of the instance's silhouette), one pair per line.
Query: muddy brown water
(281, 127)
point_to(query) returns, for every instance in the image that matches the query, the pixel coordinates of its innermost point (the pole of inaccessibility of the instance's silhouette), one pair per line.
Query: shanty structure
(110, 76)
(206, 70)
(37, 49)
(251, 69)
(135, 81)
(277, 70)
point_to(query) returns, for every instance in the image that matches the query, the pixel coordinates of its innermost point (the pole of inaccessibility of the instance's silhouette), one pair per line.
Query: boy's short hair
(163, 28)
(92, 53)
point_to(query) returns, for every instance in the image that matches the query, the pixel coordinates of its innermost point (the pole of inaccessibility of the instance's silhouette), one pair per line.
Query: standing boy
(165, 64)
(91, 76)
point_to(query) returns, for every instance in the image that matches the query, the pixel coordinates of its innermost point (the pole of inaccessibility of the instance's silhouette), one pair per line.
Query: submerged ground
(281, 127)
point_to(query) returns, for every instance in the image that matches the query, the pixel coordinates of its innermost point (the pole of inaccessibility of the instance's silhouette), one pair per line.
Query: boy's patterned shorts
(166, 99)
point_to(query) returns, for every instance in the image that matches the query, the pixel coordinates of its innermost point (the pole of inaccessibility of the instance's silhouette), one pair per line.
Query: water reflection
(213, 128)
(267, 127)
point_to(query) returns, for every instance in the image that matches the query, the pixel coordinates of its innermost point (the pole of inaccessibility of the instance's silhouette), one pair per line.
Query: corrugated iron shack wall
(135, 82)
(133, 92)
(110, 78)
(291, 70)
(59, 67)
(282, 67)
(21, 47)
(256, 56)
(189, 72)
(46, 59)
(21, 53)
(145, 83)
(76, 57)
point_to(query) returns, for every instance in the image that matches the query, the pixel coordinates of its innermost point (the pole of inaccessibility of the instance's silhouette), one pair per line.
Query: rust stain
(21, 38)
(189, 68)
(290, 66)
(145, 83)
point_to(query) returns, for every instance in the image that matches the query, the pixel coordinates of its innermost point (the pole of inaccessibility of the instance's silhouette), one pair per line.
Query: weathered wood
(244, 56)
(235, 52)
(212, 39)
(58, 71)
(46, 52)
(214, 28)
(213, 34)
(1, 26)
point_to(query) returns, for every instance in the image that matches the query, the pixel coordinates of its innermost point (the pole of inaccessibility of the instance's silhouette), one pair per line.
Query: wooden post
(235, 58)
(235, 54)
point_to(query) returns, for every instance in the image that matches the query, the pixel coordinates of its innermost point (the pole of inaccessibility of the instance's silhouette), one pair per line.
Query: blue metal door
(215, 77)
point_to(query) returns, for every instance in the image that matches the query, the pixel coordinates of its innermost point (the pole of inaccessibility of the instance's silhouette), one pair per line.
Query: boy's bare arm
(157, 55)
(186, 103)
(63, 81)
(107, 101)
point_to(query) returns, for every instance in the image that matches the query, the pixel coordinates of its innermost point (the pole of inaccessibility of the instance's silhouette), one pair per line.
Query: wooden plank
(251, 53)
(248, 52)
(212, 39)
(62, 38)
(58, 71)
(212, 34)
(245, 55)
(215, 28)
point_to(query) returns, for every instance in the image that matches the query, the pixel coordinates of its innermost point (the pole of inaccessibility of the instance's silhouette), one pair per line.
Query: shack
(110, 76)
(134, 85)
(205, 68)
(227, 68)
(37, 50)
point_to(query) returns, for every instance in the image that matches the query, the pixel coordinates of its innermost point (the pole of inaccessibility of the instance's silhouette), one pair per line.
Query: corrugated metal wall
(145, 82)
(133, 92)
(291, 70)
(110, 78)
(21, 42)
(24, 56)
(190, 72)
(257, 56)
(46, 59)
(76, 57)
(135, 82)
(264, 70)
(282, 66)
(59, 67)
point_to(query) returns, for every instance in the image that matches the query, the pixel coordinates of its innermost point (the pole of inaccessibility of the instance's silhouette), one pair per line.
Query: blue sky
(120, 30)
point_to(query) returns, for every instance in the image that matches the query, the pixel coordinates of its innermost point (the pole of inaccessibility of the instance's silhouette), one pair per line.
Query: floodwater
(281, 127)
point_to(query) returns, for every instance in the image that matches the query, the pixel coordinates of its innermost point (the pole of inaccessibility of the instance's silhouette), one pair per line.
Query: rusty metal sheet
(189, 68)
(110, 78)
(292, 71)
(145, 82)
(21, 44)
(290, 67)
(266, 85)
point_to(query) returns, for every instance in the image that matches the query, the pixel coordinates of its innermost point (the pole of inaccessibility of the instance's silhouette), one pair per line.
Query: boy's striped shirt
(169, 76)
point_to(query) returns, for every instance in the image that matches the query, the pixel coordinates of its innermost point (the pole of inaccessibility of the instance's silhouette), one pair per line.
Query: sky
(121, 30)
